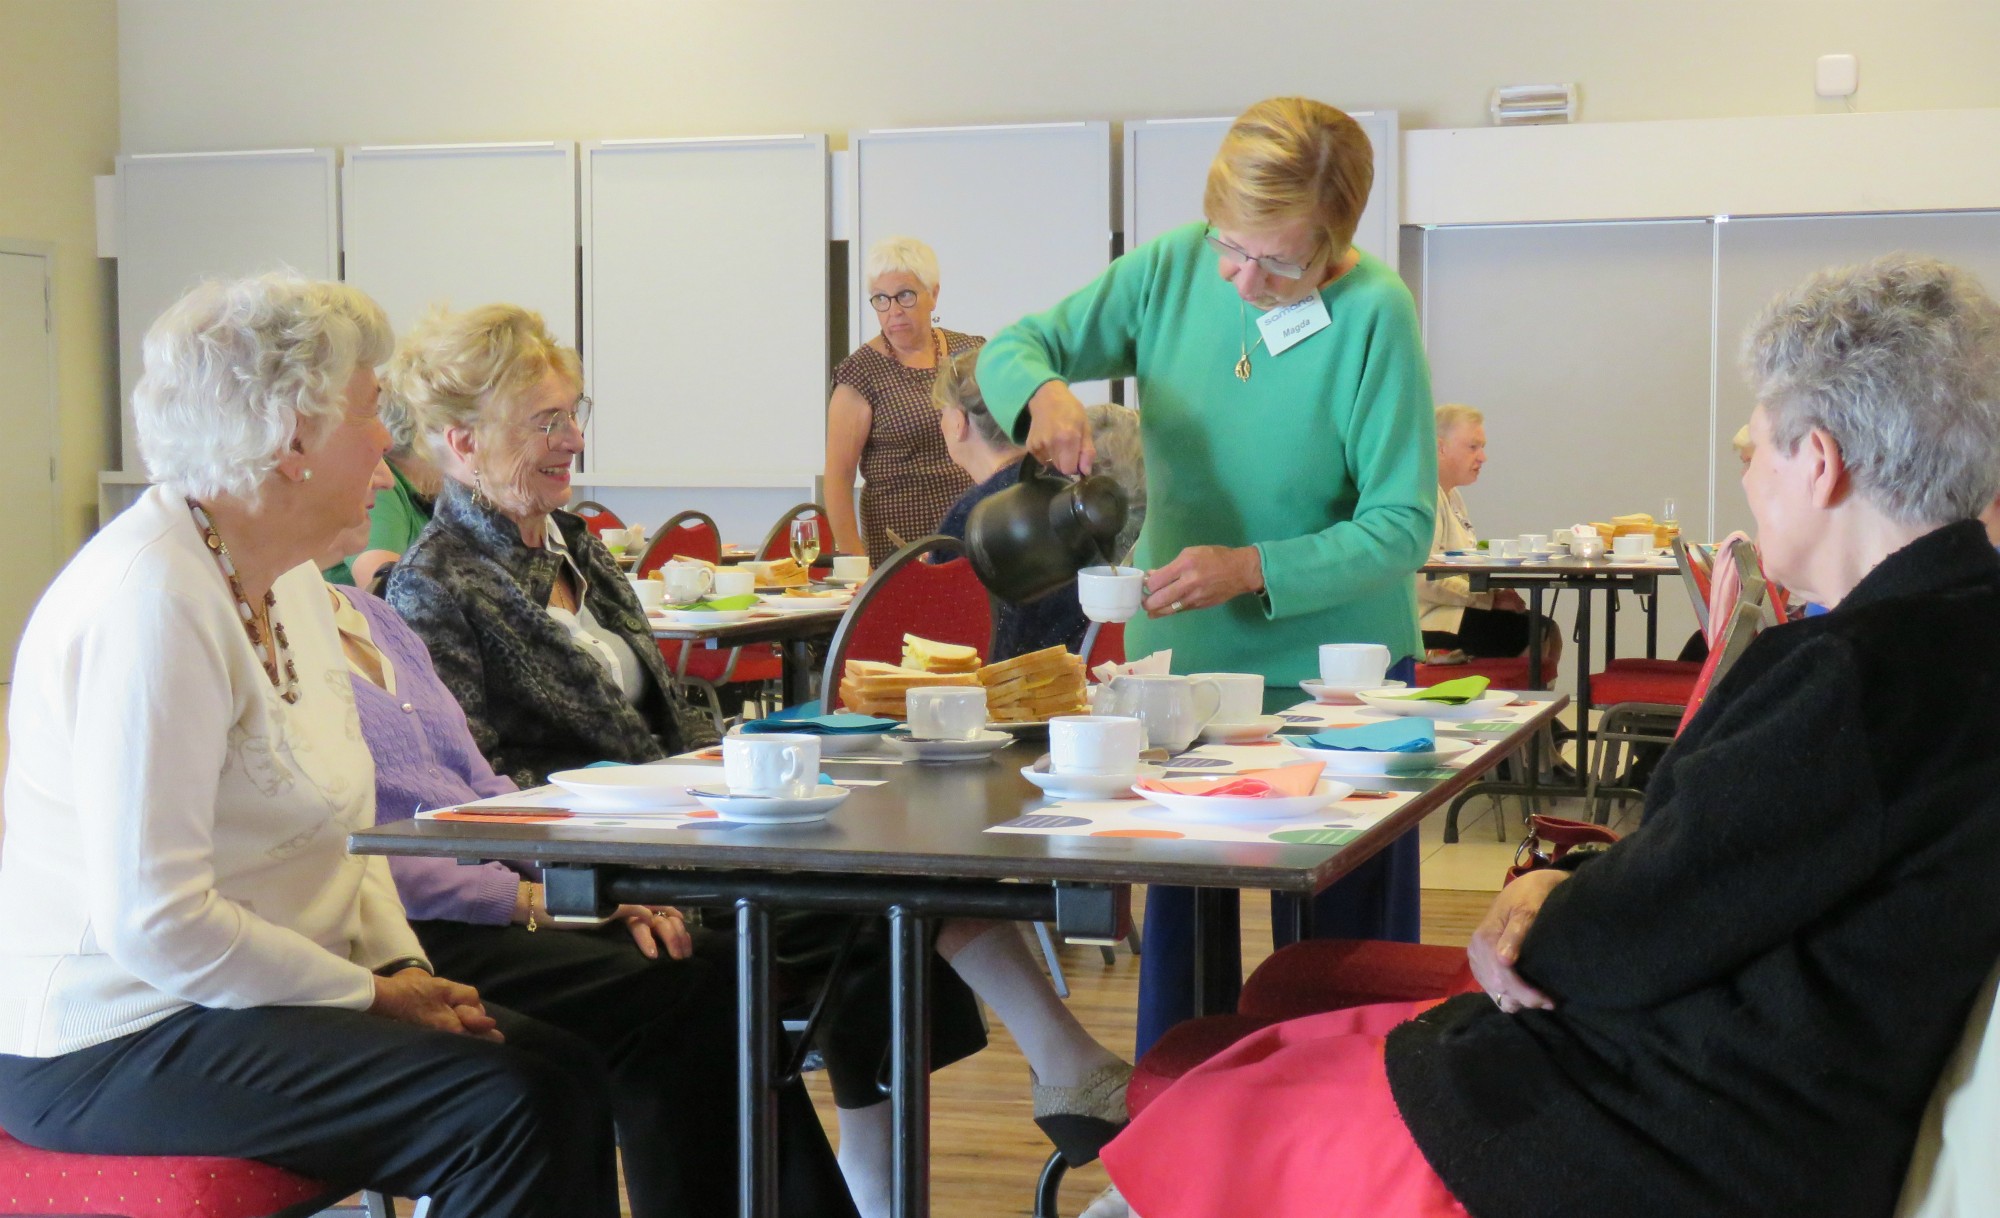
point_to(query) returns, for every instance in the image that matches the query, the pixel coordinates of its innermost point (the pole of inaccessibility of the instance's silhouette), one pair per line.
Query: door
(27, 417)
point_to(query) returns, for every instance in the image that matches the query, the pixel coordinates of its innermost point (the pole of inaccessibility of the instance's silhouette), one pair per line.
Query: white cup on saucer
(1353, 665)
(1563, 537)
(1095, 744)
(1242, 695)
(850, 568)
(1587, 546)
(1631, 545)
(949, 713)
(1503, 547)
(1534, 543)
(652, 593)
(777, 766)
(1110, 594)
(686, 580)
(734, 581)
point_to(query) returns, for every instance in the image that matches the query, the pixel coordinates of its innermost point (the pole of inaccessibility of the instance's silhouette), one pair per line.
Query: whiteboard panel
(186, 218)
(1587, 347)
(1760, 258)
(463, 225)
(1020, 217)
(705, 303)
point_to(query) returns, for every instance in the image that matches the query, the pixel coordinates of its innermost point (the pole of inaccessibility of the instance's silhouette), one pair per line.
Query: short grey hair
(1456, 414)
(957, 387)
(1899, 360)
(905, 254)
(236, 370)
(1121, 456)
(404, 427)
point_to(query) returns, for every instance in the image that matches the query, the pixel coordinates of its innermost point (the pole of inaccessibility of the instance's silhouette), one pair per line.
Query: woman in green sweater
(1285, 407)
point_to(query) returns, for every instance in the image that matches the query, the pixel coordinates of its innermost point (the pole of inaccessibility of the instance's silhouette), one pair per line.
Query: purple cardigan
(424, 756)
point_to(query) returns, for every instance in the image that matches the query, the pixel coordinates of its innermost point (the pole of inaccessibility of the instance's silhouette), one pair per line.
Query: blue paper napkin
(1405, 735)
(821, 725)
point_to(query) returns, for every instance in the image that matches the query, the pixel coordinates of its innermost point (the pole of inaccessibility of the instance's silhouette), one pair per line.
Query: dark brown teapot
(1032, 538)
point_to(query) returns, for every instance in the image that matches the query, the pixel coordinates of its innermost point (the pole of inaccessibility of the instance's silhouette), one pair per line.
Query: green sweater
(393, 523)
(1325, 460)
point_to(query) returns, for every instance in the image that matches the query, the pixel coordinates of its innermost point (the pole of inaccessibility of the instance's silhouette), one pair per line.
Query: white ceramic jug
(1173, 709)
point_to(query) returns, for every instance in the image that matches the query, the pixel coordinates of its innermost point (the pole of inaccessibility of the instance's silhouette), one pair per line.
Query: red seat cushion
(1669, 682)
(1319, 975)
(708, 663)
(1185, 1046)
(1508, 673)
(146, 1186)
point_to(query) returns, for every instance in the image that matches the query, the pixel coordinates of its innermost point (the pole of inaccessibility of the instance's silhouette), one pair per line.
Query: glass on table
(805, 540)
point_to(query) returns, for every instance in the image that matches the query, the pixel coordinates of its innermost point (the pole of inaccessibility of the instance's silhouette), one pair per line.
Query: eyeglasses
(550, 422)
(1283, 268)
(880, 300)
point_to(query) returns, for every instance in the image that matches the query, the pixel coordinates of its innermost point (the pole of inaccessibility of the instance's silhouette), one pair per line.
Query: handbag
(1552, 837)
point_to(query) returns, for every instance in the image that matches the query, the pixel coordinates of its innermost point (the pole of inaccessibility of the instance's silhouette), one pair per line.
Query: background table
(794, 632)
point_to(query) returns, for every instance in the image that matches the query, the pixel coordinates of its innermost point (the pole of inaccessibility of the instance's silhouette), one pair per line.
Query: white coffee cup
(1095, 744)
(734, 581)
(1564, 536)
(852, 567)
(948, 713)
(1587, 546)
(1110, 594)
(1631, 545)
(1534, 543)
(1353, 665)
(1242, 695)
(686, 580)
(781, 766)
(651, 592)
(1503, 547)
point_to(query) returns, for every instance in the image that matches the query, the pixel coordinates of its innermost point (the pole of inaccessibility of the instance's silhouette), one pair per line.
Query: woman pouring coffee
(1291, 462)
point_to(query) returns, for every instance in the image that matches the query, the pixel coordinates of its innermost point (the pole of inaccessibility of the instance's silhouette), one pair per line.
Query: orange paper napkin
(1283, 782)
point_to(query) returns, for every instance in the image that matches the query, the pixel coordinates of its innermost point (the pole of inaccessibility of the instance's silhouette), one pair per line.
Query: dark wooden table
(794, 632)
(913, 849)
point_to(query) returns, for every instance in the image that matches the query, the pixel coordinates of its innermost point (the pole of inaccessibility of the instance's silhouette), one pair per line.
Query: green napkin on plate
(1456, 692)
(725, 604)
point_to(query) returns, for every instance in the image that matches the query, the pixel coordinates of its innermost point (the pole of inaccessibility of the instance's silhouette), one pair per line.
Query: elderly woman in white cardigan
(193, 963)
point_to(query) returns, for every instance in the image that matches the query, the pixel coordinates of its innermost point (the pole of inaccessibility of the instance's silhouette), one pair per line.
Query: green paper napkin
(1456, 692)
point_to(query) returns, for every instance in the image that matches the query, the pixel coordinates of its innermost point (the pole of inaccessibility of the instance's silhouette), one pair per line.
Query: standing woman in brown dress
(880, 422)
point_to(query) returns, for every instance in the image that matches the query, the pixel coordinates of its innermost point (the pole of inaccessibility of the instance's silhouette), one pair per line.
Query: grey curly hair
(1899, 360)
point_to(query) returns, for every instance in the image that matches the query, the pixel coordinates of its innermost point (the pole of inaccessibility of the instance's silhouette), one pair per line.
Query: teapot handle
(1108, 700)
(1214, 703)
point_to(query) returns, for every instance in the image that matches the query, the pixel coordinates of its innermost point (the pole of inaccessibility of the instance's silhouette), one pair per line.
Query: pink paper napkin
(1283, 782)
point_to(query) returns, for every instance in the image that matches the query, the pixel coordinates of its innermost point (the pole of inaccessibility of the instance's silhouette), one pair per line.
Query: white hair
(905, 254)
(1121, 456)
(1899, 360)
(236, 370)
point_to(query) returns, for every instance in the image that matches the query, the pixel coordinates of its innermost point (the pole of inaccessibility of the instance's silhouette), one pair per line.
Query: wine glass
(805, 540)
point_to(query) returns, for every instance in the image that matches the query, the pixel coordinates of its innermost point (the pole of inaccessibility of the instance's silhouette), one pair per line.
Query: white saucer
(1224, 808)
(704, 617)
(634, 788)
(1386, 701)
(769, 810)
(1367, 763)
(803, 604)
(1343, 695)
(1242, 733)
(847, 581)
(975, 749)
(1086, 786)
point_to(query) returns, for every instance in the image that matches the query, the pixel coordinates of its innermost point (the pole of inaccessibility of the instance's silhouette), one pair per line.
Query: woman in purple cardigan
(663, 1019)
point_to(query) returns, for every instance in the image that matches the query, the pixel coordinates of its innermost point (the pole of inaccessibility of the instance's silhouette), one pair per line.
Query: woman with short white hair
(879, 421)
(193, 963)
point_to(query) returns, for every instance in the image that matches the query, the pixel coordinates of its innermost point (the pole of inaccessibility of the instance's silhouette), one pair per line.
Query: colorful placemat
(1334, 825)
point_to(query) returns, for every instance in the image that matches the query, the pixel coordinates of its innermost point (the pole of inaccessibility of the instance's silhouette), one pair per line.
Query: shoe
(1081, 1119)
(1108, 1204)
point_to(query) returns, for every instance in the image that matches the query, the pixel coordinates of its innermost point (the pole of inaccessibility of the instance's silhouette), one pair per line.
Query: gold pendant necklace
(1243, 361)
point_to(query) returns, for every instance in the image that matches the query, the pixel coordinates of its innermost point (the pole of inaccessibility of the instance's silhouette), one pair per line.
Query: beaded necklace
(288, 688)
(937, 347)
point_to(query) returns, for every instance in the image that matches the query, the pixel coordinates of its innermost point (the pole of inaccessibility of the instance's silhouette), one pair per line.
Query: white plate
(975, 749)
(767, 810)
(1086, 786)
(635, 788)
(1365, 762)
(1226, 808)
(1242, 733)
(1343, 695)
(847, 581)
(1384, 700)
(839, 744)
(804, 604)
(703, 617)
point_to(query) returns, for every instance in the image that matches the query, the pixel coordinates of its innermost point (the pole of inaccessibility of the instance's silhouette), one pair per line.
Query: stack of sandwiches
(1025, 689)
(1035, 687)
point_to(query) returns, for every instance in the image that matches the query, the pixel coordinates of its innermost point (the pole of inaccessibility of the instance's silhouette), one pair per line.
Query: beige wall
(58, 128)
(216, 74)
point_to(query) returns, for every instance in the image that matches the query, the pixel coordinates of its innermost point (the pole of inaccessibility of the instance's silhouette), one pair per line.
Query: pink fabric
(1295, 1121)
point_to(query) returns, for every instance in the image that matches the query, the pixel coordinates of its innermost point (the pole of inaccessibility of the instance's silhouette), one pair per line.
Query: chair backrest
(1954, 1172)
(596, 517)
(942, 601)
(778, 542)
(1694, 567)
(688, 535)
(1744, 623)
(1103, 642)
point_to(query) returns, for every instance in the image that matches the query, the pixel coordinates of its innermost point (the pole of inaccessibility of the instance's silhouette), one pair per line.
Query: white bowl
(704, 617)
(1386, 701)
(1253, 732)
(635, 788)
(1343, 695)
(1216, 808)
(1086, 786)
(769, 809)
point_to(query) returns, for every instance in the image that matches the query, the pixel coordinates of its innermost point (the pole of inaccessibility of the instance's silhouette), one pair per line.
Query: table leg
(1216, 936)
(757, 1108)
(1295, 910)
(910, 1056)
(1585, 607)
(1535, 636)
(1653, 623)
(797, 678)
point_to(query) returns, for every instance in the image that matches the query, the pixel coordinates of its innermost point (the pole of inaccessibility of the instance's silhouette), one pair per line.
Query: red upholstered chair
(707, 669)
(1103, 642)
(596, 517)
(1508, 672)
(942, 601)
(778, 542)
(36, 1181)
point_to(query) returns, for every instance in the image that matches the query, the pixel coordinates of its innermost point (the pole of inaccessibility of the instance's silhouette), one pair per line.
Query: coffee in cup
(1095, 744)
(776, 765)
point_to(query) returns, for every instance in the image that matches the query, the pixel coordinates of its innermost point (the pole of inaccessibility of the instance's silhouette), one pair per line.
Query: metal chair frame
(709, 690)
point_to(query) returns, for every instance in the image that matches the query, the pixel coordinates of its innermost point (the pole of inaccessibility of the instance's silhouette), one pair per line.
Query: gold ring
(1174, 608)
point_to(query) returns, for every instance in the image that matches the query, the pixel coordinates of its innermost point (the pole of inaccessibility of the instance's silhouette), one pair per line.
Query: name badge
(1287, 327)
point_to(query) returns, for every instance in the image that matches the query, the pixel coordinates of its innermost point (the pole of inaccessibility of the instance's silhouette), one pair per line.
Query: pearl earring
(307, 476)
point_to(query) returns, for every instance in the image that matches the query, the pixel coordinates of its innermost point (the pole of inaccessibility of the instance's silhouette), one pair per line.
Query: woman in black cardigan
(1743, 1007)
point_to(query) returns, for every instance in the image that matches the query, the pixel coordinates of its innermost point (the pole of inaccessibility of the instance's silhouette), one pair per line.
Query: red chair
(36, 1181)
(778, 542)
(942, 601)
(708, 669)
(1103, 642)
(1505, 672)
(596, 517)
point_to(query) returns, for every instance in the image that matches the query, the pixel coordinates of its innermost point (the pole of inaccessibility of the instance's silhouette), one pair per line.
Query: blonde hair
(469, 369)
(237, 369)
(1456, 414)
(906, 254)
(1289, 159)
(957, 387)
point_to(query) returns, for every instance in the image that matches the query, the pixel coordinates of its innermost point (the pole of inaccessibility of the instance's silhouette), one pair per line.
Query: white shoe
(1108, 1204)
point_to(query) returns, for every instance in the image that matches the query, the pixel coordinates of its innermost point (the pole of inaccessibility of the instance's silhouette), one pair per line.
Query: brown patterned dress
(911, 481)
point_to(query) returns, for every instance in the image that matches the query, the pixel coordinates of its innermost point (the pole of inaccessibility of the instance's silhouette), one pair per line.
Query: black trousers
(666, 1029)
(520, 1130)
(1483, 633)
